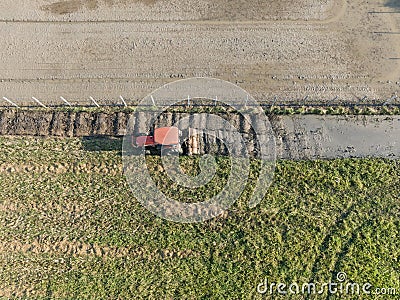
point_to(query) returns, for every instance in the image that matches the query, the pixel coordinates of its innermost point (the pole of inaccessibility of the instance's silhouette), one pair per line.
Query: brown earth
(297, 137)
(73, 6)
(63, 124)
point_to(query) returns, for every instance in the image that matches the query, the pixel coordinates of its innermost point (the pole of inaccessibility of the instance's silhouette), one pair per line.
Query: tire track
(329, 258)
(62, 168)
(41, 246)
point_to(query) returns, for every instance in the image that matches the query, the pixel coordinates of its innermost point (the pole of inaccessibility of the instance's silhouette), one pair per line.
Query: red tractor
(165, 139)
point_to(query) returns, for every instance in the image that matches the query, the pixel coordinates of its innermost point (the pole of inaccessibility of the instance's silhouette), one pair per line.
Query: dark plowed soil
(296, 136)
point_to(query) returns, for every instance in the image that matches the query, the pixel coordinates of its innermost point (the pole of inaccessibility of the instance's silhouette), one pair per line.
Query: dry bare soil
(288, 49)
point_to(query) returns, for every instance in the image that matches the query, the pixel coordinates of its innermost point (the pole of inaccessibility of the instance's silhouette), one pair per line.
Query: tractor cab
(164, 138)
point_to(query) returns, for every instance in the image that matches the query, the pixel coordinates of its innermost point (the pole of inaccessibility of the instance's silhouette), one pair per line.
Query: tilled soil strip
(296, 136)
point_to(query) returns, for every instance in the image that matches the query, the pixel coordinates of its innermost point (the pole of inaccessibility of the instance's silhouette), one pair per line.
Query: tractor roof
(166, 135)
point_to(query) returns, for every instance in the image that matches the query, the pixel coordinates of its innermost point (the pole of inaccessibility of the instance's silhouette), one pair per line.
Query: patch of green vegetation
(334, 110)
(291, 109)
(23, 150)
(317, 219)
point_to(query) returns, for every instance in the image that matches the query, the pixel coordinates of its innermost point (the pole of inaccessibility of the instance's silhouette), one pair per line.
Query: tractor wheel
(169, 151)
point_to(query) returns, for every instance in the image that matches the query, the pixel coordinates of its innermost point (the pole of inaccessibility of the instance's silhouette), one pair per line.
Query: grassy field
(70, 228)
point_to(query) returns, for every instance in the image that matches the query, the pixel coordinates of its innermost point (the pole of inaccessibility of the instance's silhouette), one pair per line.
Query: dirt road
(321, 49)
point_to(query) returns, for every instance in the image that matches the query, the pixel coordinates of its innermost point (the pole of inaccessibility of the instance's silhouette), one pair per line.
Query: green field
(70, 228)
